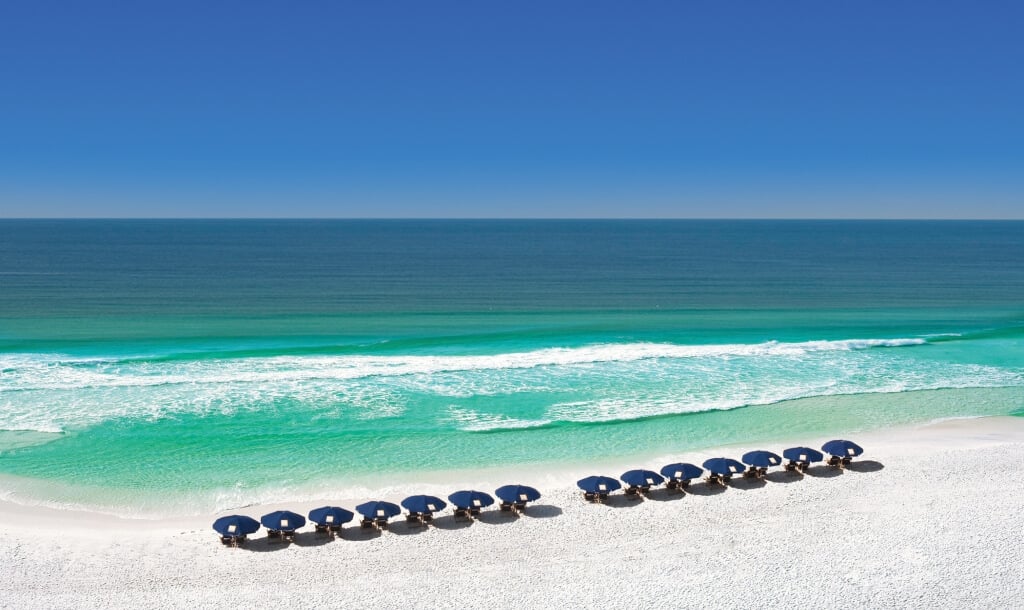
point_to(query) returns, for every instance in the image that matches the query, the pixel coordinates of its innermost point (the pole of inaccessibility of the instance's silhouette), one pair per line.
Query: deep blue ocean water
(207, 364)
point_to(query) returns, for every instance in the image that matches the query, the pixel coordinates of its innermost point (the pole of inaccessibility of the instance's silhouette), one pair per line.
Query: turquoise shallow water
(187, 366)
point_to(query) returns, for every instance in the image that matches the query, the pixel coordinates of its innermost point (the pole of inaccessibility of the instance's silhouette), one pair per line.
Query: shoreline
(927, 517)
(650, 442)
(952, 432)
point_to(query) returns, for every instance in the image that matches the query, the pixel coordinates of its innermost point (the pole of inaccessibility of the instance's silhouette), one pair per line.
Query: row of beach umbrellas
(720, 469)
(468, 503)
(283, 523)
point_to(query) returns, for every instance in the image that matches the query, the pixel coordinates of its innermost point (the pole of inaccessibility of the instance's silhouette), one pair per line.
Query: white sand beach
(929, 517)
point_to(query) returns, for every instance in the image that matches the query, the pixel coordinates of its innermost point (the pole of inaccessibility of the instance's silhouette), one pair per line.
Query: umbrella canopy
(330, 515)
(803, 454)
(598, 485)
(236, 525)
(642, 478)
(470, 498)
(681, 471)
(283, 520)
(517, 493)
(843, 448)
(378, 509)
(761, 459)
(723, 466)
(423, 504)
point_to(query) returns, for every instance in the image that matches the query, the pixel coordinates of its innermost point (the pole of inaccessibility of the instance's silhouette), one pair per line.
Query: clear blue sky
(518, 109)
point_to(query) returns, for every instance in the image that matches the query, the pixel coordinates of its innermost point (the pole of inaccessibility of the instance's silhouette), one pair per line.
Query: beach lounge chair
(233, 529)
(515, 506)
(468, 502)
(474, 510)
(379, 520)
(750, 472)
(600, 495)
(232, 537)
(721, 479)
(416, 518)
(797, 467)
(842, 452)
(330, 525)
(677, 484)
(327, 526)
(273, 533)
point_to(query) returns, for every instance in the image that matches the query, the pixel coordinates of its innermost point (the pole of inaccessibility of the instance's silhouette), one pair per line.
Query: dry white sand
(930, 516)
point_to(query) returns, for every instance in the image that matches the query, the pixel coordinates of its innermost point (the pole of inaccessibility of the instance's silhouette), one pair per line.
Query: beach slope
(929, 517)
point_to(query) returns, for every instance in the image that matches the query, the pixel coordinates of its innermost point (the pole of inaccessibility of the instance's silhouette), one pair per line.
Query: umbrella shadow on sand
(541, 511)
(623, 501)
(746, 483)
(449, 522)
(865, 466)
(265, 545)
(824, 472)
(360, 534)
(783, 476)
(312, 539)
(704, 489)
(497, 517)
(665, 494)
(407, 528)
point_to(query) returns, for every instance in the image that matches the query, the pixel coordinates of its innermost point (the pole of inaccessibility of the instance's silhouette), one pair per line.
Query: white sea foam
(49, 372)
(612, 381)
(475, 421)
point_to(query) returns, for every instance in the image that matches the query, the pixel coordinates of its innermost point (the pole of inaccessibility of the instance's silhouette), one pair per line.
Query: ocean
(152, 367)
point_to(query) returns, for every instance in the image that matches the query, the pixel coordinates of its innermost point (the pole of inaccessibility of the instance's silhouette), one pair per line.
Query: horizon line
(523, 218)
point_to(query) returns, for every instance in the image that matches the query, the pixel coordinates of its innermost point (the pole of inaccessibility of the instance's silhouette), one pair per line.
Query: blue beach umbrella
(378, 509)
(842, 448)
(761, 459)
(517, 493)
(283, 520)
(470, 499)
(803, 454)
(642, 478)
(423, 504)
(236, 525)
(598, 485)
(723, 466)
(681, 471)
(330, 515)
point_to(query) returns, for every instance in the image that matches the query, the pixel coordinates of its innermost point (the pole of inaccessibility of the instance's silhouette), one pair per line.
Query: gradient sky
(520, 109)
